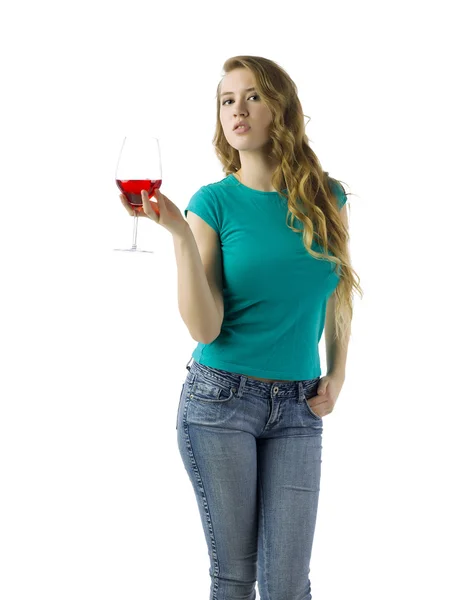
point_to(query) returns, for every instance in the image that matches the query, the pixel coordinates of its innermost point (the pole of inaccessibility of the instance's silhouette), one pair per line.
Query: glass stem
(134, 246)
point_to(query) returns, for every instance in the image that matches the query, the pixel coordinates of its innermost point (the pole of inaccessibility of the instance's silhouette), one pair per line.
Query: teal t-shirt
(275, 294)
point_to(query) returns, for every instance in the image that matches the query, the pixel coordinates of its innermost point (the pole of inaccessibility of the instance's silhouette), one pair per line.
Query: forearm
(195, 300)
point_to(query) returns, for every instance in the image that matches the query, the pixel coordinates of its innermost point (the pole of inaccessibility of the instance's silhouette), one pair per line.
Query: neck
(256, 179)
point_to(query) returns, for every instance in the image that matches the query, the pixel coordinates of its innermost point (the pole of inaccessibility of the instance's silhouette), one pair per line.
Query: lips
(242, 129)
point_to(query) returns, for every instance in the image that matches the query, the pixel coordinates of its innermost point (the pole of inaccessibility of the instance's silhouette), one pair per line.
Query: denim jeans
(252, 451)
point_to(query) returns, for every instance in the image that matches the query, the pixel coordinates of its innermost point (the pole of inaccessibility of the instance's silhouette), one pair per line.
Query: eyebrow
(247, 90)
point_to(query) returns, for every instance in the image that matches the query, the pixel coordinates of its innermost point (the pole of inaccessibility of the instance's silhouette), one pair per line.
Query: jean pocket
(203, 390)
(310, 390)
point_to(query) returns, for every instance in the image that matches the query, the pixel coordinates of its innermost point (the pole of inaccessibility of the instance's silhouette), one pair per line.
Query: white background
(95, 502)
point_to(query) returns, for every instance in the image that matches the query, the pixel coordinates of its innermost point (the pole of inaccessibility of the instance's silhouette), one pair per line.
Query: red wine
(132, 188)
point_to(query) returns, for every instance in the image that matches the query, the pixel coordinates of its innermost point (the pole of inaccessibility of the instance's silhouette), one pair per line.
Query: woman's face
(245, 106)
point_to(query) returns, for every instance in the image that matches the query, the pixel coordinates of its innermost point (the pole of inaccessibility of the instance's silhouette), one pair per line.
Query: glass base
(133, 250)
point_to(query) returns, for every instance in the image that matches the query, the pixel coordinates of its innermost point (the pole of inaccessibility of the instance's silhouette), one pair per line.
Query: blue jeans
(252, 451)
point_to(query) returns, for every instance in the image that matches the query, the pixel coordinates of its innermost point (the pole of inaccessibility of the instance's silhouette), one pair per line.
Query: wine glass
(138, 168)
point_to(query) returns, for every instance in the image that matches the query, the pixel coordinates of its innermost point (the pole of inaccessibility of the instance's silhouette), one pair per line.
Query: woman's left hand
(328, 390)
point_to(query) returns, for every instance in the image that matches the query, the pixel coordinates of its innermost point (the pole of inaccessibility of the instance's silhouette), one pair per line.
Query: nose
(239, 108)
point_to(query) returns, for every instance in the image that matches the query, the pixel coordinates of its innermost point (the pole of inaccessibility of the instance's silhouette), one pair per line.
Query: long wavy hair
(299, 172)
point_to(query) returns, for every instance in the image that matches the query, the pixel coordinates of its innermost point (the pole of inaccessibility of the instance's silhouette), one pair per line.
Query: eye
(229, 100)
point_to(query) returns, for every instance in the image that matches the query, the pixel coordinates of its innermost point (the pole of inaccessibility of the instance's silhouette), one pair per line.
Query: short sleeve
(203, 203)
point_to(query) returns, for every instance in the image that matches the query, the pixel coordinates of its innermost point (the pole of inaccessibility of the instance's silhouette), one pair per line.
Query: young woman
(263, 268)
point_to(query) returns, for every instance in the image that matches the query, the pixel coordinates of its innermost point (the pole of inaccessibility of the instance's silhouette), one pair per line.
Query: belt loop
(187, 365)
(243, 380)
(300, 390)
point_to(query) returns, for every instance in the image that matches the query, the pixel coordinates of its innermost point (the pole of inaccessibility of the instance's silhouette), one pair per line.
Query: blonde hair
(299, 172)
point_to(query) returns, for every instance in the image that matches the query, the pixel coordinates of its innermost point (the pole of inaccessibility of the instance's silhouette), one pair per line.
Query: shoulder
(216, 192)
(338, 191)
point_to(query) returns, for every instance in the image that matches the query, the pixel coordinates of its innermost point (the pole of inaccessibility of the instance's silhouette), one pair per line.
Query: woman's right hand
(164, 213)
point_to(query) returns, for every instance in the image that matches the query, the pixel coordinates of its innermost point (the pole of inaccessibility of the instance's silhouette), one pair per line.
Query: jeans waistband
(237, 380)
